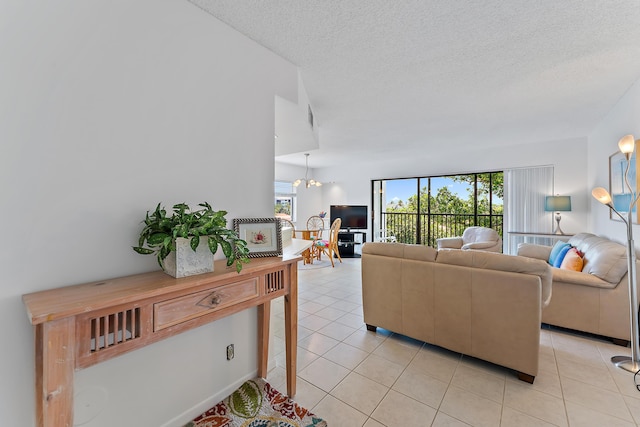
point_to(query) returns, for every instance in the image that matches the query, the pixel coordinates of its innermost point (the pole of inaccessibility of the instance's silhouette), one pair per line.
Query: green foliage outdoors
(160, 231)
(444, 213)
(444, 201)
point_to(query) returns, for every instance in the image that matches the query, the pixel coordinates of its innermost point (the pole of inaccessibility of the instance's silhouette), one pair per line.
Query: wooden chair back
(334, 230)
(286, 223)
(315, 223)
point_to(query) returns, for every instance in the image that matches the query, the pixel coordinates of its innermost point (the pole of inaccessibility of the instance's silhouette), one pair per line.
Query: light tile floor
(352, 377)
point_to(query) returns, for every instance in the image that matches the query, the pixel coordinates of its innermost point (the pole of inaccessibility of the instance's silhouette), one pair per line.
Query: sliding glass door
(421, 210)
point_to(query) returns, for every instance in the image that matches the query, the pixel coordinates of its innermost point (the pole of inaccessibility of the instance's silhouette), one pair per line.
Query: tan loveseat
(481, 304)
(595, 300)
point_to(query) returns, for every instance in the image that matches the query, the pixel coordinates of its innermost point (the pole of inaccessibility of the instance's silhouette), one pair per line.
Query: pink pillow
(572, 260)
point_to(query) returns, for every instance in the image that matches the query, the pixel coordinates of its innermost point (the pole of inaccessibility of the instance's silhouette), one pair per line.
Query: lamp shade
(627, 144)
(557, 203)
(601, 195)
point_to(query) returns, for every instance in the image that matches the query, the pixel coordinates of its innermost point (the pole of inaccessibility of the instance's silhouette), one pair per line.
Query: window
(285, 200)
(421, 210)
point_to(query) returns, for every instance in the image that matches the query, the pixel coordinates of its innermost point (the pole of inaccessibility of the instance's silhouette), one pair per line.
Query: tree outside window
(285, 200)
(421, 210)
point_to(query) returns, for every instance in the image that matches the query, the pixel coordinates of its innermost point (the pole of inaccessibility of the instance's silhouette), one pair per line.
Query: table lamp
(557, 204)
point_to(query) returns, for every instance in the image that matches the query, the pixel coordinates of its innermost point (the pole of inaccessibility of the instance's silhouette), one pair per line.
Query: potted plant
(178, 238)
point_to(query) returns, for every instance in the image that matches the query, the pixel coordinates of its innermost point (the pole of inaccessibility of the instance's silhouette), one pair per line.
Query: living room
(112, 107)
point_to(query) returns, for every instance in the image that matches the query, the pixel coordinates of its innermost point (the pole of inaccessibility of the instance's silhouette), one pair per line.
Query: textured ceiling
(399, 78)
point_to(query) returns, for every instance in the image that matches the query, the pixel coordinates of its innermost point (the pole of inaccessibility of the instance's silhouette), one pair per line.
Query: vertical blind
(524, 195)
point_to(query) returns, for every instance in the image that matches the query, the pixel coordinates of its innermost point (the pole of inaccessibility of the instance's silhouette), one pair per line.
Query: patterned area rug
(257, 404)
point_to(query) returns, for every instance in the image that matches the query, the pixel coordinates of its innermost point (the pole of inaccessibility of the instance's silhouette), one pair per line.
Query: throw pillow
(572, 260)
(563, 252)
(556, 250)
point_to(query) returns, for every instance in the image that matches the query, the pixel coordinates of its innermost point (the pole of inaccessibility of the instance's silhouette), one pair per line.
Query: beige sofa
(481, 304)
(595, 300)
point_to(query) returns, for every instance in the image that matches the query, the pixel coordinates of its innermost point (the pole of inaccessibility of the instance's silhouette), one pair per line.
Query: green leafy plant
(161, 231)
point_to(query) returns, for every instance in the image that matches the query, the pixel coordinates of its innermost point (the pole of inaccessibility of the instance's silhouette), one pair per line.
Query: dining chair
(315, 224)
(330, 247)
(286, 223)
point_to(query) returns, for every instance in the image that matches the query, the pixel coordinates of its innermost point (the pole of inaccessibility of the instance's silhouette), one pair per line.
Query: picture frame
(263, 235)
(620, 195)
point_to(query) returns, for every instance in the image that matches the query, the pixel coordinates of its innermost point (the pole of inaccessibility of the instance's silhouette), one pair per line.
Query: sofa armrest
(479, 245)
(579, 278)
(450, 243)
(531, 250)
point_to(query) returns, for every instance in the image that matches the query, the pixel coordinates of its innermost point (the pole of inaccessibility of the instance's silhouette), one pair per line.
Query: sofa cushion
(502, 262)
(578, 278)
(572, 261)
(383, 248)
(420, 252)
(602, 257)
(401, 250)
(450, 243)
(557, 248)
(532, 250)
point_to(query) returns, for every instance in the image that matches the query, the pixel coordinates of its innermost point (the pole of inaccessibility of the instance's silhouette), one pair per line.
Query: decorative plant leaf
(159, 233)
(156, 239)
(195, 241)
(231, 259)
(213, 244)
(164, 251)
(143, 251)
(226, 248)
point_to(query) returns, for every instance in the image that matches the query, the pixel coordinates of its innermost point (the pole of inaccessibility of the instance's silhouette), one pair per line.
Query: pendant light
(307, 182)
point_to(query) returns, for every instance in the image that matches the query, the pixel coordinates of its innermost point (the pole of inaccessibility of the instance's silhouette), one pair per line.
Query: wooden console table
(81, 325)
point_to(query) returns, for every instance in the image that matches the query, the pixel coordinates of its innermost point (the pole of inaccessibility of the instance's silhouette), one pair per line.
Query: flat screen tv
(353, 217)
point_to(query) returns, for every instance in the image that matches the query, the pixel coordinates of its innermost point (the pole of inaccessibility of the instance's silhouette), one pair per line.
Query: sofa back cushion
(401, 250)
(501, 262)
(603, 258)
(473, 259)
(480, 234)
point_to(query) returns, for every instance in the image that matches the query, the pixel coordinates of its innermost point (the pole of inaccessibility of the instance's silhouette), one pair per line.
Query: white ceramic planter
(185, 262)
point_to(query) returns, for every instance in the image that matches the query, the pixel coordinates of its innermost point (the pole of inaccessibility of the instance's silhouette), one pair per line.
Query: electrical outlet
(230, 353)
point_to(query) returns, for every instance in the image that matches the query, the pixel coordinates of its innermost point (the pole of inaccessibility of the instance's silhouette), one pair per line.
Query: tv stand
(350, 243)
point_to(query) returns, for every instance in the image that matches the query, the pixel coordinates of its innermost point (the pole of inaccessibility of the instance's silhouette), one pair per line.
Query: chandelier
(307, 182)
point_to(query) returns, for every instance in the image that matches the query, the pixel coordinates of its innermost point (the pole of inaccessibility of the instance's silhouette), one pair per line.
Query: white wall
(107, 108)
(309, 200)
(569, 158)
(623, 119)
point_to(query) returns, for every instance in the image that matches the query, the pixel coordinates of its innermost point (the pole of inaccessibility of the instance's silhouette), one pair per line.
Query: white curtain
(524, 195)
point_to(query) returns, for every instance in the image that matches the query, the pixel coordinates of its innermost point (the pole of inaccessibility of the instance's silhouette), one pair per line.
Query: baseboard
(206, 404)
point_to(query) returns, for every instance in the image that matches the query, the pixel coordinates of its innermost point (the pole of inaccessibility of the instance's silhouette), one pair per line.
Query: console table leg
(264, 317)
(291, 330)
(55, 360)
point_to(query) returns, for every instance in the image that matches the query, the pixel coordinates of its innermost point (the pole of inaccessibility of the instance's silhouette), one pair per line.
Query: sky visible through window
(402, 189)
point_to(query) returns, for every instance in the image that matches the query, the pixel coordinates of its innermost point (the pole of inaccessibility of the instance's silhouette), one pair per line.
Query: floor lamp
(631, 364)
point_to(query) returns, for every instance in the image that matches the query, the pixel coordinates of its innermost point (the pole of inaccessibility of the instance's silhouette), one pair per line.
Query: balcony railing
(427, 228)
